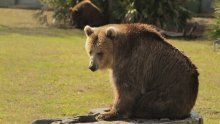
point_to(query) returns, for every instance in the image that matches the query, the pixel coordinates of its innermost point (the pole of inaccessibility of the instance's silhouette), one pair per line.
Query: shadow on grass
(39, 31)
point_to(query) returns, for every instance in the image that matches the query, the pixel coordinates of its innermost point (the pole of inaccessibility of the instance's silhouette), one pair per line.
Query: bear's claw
(107, 116)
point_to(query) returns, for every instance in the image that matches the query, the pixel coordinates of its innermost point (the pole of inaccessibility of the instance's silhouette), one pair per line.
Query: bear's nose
(93, 68)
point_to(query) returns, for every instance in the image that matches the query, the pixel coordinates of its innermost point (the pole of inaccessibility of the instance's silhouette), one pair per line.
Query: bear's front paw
(106, 116)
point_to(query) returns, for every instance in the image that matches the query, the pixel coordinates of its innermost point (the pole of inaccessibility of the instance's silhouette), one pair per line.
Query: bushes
(125, 11)
(216, 28)
(60, 11)
(165, 14)
(213, 31)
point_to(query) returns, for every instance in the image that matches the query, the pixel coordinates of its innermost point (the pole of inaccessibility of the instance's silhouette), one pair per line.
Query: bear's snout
(93, 67)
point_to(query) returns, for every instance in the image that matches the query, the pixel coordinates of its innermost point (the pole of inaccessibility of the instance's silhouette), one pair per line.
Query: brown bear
(86, 13)
(151, 78)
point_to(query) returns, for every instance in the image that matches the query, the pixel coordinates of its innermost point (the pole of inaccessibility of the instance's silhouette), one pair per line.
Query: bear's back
(148, 38)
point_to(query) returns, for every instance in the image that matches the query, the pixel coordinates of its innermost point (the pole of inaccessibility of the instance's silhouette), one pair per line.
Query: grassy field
(217, 3)
(44, 72)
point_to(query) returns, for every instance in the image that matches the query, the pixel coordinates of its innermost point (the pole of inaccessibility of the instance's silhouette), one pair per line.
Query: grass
(44, 72)
(216, 3)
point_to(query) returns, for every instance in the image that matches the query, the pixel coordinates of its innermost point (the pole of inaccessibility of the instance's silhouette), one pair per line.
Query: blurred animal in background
(86, 13)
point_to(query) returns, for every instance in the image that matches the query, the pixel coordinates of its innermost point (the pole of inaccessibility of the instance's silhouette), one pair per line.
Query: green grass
(216, 3)
(44, 72)
(208, 102)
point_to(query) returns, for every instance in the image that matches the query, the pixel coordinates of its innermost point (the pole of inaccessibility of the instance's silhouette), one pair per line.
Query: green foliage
(216, 3)
(164, 13)
(125, 11)
(217, 15)
(131, 14)
(60, 11)
(215, 28)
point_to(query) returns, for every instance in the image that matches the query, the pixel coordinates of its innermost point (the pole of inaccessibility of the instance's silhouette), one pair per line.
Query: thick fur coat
(150, 77)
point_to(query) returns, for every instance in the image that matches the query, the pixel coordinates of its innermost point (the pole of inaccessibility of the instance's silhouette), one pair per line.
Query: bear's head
(99, 46)
(74, 14)
(77, 10)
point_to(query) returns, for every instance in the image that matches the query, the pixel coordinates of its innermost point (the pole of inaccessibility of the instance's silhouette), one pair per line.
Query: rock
(195, 118)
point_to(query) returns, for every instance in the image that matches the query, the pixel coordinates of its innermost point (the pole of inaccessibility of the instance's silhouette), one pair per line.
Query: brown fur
(150, 77)
(86, 13)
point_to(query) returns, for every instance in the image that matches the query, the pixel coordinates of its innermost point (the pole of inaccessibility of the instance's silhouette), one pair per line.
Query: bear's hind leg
(156, 108)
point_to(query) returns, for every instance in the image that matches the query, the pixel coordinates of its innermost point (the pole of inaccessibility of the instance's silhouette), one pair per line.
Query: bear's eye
(100, 53)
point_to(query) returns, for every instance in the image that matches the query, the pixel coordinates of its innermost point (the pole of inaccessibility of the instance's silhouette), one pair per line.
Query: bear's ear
(111, 32)
(88, 30)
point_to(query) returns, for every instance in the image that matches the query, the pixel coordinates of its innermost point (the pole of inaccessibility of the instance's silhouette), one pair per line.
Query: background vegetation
(44, 72)
(215, 33)
(60, 9)
(164, 13)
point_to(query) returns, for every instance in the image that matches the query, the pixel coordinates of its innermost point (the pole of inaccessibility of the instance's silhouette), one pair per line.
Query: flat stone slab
(195, 118)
